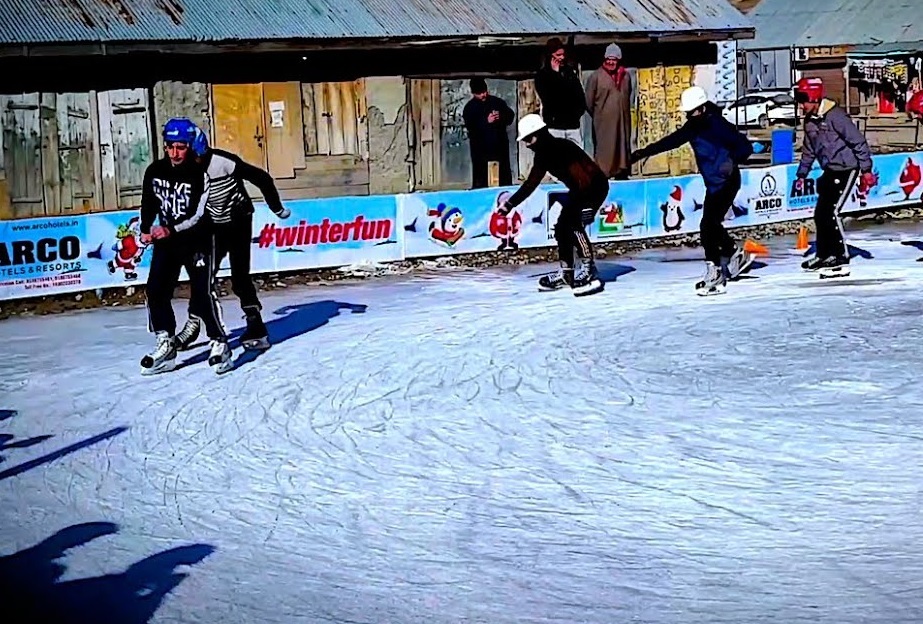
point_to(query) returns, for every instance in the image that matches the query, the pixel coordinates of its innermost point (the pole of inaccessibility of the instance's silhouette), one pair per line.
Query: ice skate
(163, 358)
(220, 357)
(255, 337)
(556, 281)
(189, 333)
(713, 283)
(589, 283)
(739, 262)
(836, 266)
(813, 263)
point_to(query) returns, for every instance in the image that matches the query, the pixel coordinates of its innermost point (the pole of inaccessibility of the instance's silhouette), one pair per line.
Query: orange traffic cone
(755, 248)
(802, 239)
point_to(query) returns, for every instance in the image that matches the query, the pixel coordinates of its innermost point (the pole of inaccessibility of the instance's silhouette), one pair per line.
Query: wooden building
(795, 38)
(329, 105)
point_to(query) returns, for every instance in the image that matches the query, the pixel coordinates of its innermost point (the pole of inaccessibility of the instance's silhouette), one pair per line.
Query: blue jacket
(719, 148)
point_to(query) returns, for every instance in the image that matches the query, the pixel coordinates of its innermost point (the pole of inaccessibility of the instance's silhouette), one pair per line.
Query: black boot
(255, 337)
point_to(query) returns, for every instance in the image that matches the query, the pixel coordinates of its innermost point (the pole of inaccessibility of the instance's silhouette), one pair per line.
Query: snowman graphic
(446, 225)
(672, 209)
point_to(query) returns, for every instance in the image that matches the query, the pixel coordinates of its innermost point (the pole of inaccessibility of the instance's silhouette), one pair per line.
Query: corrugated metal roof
(806, 23)
(110, 21)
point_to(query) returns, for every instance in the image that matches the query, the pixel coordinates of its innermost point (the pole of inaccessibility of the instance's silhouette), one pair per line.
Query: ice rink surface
(458, 447)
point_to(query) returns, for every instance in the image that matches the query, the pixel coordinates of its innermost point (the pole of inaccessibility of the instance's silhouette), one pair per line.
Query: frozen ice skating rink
(461, 448)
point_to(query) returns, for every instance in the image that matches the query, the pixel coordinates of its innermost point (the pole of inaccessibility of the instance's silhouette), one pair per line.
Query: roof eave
(90, 48)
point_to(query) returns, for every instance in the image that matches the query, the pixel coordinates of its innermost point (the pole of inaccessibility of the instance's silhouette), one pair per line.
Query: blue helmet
(179, 130)
(200, 142)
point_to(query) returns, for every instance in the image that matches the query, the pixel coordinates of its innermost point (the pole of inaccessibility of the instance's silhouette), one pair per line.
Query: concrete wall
(389, 153)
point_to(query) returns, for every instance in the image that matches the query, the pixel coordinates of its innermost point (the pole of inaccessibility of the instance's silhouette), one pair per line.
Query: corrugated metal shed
(110, 21)
(806, 23)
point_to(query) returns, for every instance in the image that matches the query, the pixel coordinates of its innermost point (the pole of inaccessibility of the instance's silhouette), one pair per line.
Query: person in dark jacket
(719, 150)
(230, 210)
(486, 118)
(833, 141)
(559, 88)
(174, 191)
(587, 189)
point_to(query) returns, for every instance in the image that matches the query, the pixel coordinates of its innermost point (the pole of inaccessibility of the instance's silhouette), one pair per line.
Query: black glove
(636, 156)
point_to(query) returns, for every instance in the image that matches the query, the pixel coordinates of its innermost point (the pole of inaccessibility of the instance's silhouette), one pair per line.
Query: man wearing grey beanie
(608, 100)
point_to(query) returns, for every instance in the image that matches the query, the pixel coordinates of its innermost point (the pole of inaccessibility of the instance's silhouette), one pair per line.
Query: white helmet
(692, 98)
(530, 124)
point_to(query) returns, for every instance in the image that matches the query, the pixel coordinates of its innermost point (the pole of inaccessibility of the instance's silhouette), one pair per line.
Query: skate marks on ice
(33, 589)
(285, 323)
(6, 442)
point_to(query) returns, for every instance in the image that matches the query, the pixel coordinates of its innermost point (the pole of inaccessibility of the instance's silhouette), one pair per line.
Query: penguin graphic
(673, 216)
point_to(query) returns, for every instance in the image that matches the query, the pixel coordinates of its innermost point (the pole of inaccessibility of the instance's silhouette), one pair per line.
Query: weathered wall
(386, 98)
(181, 99)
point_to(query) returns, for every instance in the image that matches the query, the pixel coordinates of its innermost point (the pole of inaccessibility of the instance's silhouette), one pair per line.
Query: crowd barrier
(71, 254)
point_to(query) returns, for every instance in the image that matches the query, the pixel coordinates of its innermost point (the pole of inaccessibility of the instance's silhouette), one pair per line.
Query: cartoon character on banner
(861, 192)
(128, 249)
(910, 178)
(672, 210)
(505, 228)
(446, 224)
(611, 219)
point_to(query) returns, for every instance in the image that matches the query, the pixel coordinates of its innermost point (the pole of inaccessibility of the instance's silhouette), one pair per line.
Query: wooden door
(339, 117)
(131, 141)
(427, 121)
(284, 123)
(76, 155)
(22, 155)
(240, 126)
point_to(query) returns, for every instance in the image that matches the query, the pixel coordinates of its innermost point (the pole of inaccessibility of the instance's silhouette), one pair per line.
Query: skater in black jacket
(174, 192)
(719, 151)
(587, 189)
(230, 210)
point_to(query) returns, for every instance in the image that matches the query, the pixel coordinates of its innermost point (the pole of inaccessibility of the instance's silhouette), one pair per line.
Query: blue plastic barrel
(783, 146)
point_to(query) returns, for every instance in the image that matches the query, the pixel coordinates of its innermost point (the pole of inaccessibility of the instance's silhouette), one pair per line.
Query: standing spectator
(561, 92)
(486, 119)
(608, 99)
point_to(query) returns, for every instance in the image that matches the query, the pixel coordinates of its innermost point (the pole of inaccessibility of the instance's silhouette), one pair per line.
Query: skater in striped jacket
(230, 210)
(833, 141)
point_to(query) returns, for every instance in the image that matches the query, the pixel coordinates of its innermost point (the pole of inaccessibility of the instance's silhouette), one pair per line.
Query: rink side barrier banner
(58, 255)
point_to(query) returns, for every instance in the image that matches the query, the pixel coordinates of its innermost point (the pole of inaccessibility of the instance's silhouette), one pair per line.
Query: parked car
(762, 108)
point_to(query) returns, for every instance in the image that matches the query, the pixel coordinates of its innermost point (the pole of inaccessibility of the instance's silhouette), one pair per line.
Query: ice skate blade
(834, 273)
(259, 344)
(594, 287)
(222, 367)
(709, 292)
(165, 367)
